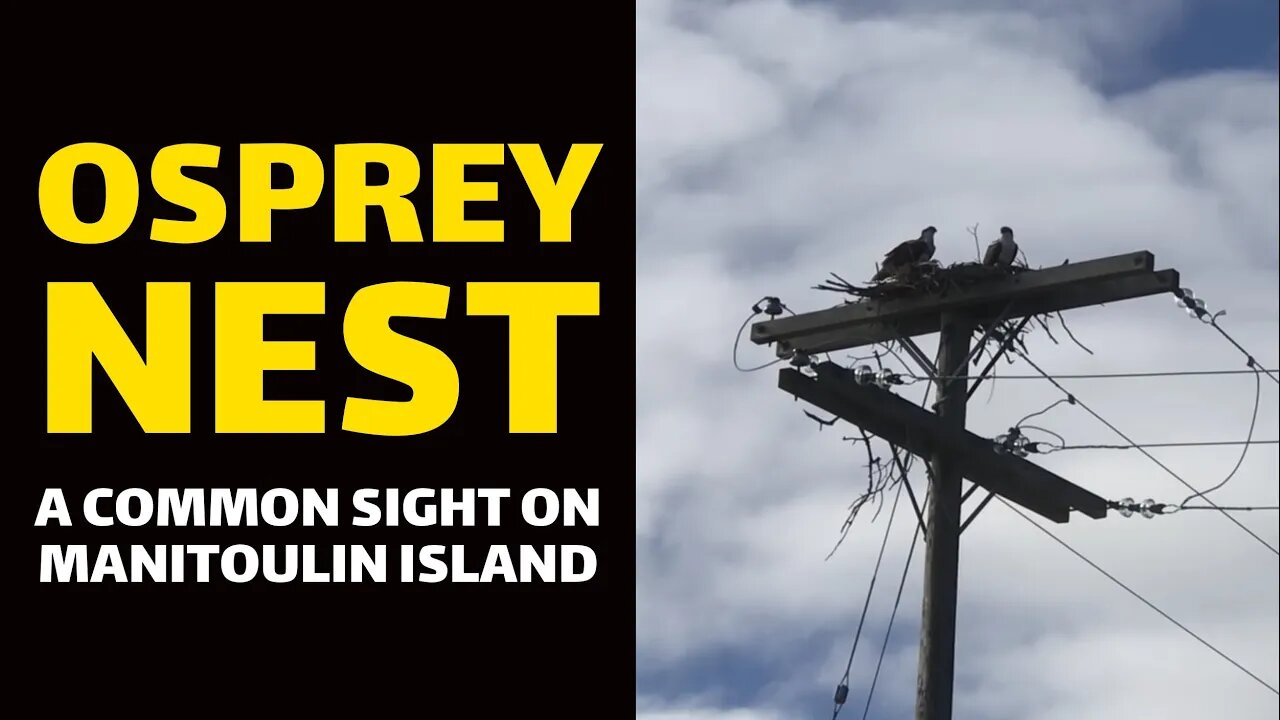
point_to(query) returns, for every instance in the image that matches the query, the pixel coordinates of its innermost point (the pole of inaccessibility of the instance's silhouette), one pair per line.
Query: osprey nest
(926, 279)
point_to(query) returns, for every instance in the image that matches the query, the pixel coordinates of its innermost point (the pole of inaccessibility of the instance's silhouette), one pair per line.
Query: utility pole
(942, 553)
(940, 437)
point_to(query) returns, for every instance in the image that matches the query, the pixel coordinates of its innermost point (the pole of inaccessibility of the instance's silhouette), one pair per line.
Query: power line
(1150, 508)
(1198, 443)
(842, 690)
(1252, 363)
(1134, 593)
(1229, 508)
(1092, 376)
(1037, 413)
(1253, 422)
(1196, 309)
(902, 583)
(738, 338)
(871, 691)
(944, 300)
(904, 479)
(1142, 450)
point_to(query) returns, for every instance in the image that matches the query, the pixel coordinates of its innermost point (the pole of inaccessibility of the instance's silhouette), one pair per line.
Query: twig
(1070, 335)
(879, 479)
(1047, 331)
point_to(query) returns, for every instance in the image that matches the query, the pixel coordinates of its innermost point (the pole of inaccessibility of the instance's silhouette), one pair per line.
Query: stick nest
(920, 280)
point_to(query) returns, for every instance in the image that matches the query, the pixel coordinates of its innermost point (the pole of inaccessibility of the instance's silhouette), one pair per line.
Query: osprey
(907, 254)
(1001, 252)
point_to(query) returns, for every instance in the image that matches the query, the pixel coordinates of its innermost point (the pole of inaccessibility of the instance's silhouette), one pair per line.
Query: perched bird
(907, 254)
(1001, 252)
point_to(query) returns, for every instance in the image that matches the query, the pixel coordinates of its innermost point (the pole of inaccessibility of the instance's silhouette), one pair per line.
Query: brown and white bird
(1003, 251)
(907, 254)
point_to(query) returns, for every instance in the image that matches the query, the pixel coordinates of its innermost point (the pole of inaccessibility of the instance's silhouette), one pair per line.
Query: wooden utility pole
(942, 553)
(940, 437)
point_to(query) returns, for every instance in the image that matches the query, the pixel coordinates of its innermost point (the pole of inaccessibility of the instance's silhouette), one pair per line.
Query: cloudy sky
(780, 141)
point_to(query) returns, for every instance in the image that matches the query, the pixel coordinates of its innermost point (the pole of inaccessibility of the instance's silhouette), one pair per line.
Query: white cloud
(702, 713)
(779, 142)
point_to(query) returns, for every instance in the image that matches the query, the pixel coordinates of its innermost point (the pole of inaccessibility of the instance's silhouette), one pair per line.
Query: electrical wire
(1229, 508)
(756, 311)
(903, 480)
(1199, 443)
(1047, 432)
(1041, 412)
(739, 338)
(1091, 376)
(1254, 368)
(1246, 443)
(1252, 363)
(1134, 593)
(915, 537)
(844, 681)
(1142, 450)
(1257, 399)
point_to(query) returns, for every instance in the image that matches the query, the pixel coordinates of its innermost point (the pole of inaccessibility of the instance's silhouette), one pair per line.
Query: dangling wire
(1046, 431)
(773, 306)
(1070, 400)
(738, 339)
(1253, 421)
(842, 690)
